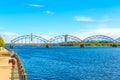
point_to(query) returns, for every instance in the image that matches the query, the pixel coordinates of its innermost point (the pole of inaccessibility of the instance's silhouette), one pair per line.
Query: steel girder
(103, 37)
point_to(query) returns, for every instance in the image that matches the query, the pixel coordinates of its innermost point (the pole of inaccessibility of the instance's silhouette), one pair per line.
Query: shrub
(1, 42)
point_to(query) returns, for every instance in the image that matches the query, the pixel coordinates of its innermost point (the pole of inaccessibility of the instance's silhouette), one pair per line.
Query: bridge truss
(29, 39)
(99, 38)
(64, 38)
(33, 39)
(118, 39)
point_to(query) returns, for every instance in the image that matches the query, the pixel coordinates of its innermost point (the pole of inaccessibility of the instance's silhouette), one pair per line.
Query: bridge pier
(114, 45)
(47, 45)
(11, 45)
(82, 45)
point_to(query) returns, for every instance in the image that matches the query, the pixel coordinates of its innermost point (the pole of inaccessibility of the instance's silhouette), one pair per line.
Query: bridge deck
(6, 70)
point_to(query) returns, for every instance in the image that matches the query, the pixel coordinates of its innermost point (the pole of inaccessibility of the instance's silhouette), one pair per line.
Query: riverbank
(5, 68)
(7, 72)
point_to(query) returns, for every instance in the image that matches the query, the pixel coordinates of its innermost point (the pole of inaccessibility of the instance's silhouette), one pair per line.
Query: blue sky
(53, 17)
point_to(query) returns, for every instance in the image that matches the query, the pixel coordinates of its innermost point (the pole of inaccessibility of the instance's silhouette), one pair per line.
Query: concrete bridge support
(114, 45)
(11, 45)
(82, 45)
(47, 45)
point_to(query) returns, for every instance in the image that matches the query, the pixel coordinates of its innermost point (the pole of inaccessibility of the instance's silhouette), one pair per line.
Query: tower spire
(31, 37)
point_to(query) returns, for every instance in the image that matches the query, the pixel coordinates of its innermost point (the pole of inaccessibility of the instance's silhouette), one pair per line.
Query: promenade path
(6, 70)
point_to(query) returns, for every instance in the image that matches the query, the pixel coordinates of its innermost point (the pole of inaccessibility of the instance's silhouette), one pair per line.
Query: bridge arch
(64, 38)
(99, 37)
(27, 39)
(118, 39)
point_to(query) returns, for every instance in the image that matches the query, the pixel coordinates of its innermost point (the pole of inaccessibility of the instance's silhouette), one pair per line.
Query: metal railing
(21, 70)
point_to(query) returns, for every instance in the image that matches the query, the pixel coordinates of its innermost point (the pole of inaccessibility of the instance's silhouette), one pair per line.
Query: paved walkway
(6, 70)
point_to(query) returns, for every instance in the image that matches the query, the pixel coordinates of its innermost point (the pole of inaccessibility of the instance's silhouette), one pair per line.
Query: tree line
(87, 43)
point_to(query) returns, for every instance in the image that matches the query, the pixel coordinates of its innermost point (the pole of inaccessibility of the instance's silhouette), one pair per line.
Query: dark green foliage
(98, 43)
(87, 43)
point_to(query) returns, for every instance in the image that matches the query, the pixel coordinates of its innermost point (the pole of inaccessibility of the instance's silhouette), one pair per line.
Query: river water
(70, 63)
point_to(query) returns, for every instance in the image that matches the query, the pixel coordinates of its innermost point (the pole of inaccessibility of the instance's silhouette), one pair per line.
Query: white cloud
(83, 18)
(111, 32)
(50, 35)
(8, 36)
(102, 26)
(48, 12)
(35, 5)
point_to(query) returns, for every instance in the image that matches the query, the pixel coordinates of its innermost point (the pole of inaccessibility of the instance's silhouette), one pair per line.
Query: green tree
(1, 42)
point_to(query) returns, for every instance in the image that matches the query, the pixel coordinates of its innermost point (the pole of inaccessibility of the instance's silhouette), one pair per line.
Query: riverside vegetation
(87, 43)
(1, 43)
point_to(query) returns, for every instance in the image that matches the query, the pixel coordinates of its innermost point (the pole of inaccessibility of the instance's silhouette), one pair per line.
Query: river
(70, 63)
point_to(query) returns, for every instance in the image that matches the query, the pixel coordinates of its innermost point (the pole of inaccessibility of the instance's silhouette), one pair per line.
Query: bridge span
(60, 39)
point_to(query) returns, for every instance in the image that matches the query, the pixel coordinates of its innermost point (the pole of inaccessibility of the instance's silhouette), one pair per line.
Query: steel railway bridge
(38, 40)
